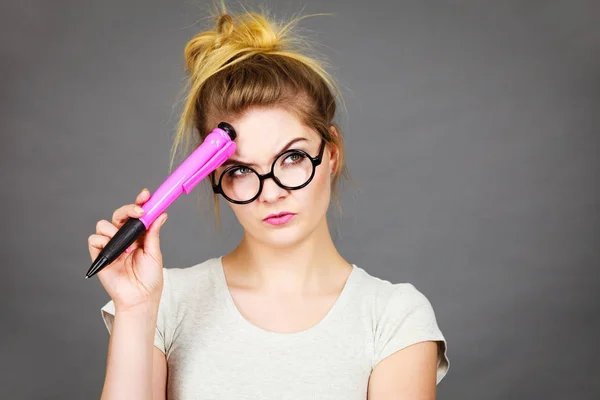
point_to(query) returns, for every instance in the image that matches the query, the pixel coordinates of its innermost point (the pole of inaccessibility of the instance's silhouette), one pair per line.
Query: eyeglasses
(292, 170)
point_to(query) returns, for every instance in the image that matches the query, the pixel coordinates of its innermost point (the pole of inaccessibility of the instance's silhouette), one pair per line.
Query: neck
(302, 268)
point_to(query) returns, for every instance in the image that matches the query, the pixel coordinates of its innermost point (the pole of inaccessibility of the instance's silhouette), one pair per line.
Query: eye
(294, 158)
(239, 171)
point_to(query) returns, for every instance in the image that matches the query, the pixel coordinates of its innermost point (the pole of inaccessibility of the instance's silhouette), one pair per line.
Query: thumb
(152, 239)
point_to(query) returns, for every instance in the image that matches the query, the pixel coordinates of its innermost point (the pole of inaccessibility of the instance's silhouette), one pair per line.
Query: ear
(334, 151)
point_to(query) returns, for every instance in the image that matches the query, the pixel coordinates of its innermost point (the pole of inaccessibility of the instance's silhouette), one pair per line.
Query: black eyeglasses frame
(316, 161)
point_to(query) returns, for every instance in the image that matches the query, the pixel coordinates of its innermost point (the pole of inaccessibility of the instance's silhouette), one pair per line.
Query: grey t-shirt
(213, 352)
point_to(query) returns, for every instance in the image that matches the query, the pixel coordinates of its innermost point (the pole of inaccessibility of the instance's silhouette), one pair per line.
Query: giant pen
(214, 150)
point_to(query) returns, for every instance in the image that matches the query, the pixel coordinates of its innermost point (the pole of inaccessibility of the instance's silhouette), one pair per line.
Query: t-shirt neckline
(223, 289)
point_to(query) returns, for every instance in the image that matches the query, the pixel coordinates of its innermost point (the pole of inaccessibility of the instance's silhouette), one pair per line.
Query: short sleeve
(108, 314)
(406, 319)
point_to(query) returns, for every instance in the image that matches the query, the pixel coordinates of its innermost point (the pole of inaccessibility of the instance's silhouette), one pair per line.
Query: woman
(284, 315)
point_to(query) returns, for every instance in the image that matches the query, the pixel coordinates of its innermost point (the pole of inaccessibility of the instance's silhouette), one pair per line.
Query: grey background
(472, 132)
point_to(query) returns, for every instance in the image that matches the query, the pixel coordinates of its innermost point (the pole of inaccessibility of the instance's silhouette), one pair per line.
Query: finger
(96, 243)
(152, 239)
(103, 227)
(142, 197)
(122, 214)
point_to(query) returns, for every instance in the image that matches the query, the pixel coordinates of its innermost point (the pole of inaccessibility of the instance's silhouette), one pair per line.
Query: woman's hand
(136, 276)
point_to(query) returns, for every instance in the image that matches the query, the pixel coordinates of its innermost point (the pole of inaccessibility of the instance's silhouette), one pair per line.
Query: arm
(159, 376)
(129, 369)
(409, 373)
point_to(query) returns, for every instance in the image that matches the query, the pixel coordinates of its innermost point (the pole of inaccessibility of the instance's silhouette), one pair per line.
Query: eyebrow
(232, 161)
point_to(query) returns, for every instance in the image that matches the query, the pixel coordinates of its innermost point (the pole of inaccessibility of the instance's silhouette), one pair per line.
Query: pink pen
(216, 148)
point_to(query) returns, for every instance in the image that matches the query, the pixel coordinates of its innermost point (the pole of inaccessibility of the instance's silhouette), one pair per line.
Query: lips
(278, 215)
(279, 219)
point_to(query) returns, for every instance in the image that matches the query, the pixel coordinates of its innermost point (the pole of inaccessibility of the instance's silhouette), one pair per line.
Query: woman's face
(262, 135)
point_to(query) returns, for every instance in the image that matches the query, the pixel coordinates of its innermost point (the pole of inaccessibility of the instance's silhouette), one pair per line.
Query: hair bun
(248, 30)
(234, 35)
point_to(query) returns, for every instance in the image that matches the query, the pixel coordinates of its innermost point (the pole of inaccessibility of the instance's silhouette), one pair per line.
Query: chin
(282, 236)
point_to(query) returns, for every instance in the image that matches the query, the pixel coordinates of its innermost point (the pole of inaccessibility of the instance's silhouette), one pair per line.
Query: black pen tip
(98, 264)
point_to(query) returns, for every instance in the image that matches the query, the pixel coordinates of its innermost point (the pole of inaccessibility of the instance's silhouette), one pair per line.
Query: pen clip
(219, 158)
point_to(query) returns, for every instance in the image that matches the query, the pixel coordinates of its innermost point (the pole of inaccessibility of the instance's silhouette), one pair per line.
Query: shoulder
(188, 284)
(401, 315)
(185, 278)
(386, 296)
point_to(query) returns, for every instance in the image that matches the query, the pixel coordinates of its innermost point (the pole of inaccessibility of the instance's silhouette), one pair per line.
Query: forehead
(267, 130)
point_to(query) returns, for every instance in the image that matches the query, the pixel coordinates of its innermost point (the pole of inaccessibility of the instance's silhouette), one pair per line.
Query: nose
(271, 191)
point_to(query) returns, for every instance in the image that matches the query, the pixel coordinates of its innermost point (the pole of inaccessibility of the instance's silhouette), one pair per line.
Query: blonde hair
(251, 60)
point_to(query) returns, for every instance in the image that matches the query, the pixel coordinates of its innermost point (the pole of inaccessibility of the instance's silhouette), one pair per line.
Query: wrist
(149, 307)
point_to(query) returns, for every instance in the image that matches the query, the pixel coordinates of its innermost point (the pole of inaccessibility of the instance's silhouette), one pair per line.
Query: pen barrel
(163, 197)
(173, 186)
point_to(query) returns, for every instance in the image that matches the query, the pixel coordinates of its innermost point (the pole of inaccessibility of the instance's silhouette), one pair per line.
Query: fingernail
(164, 220)
(145, 189)
(138, 210)
(128, 250)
